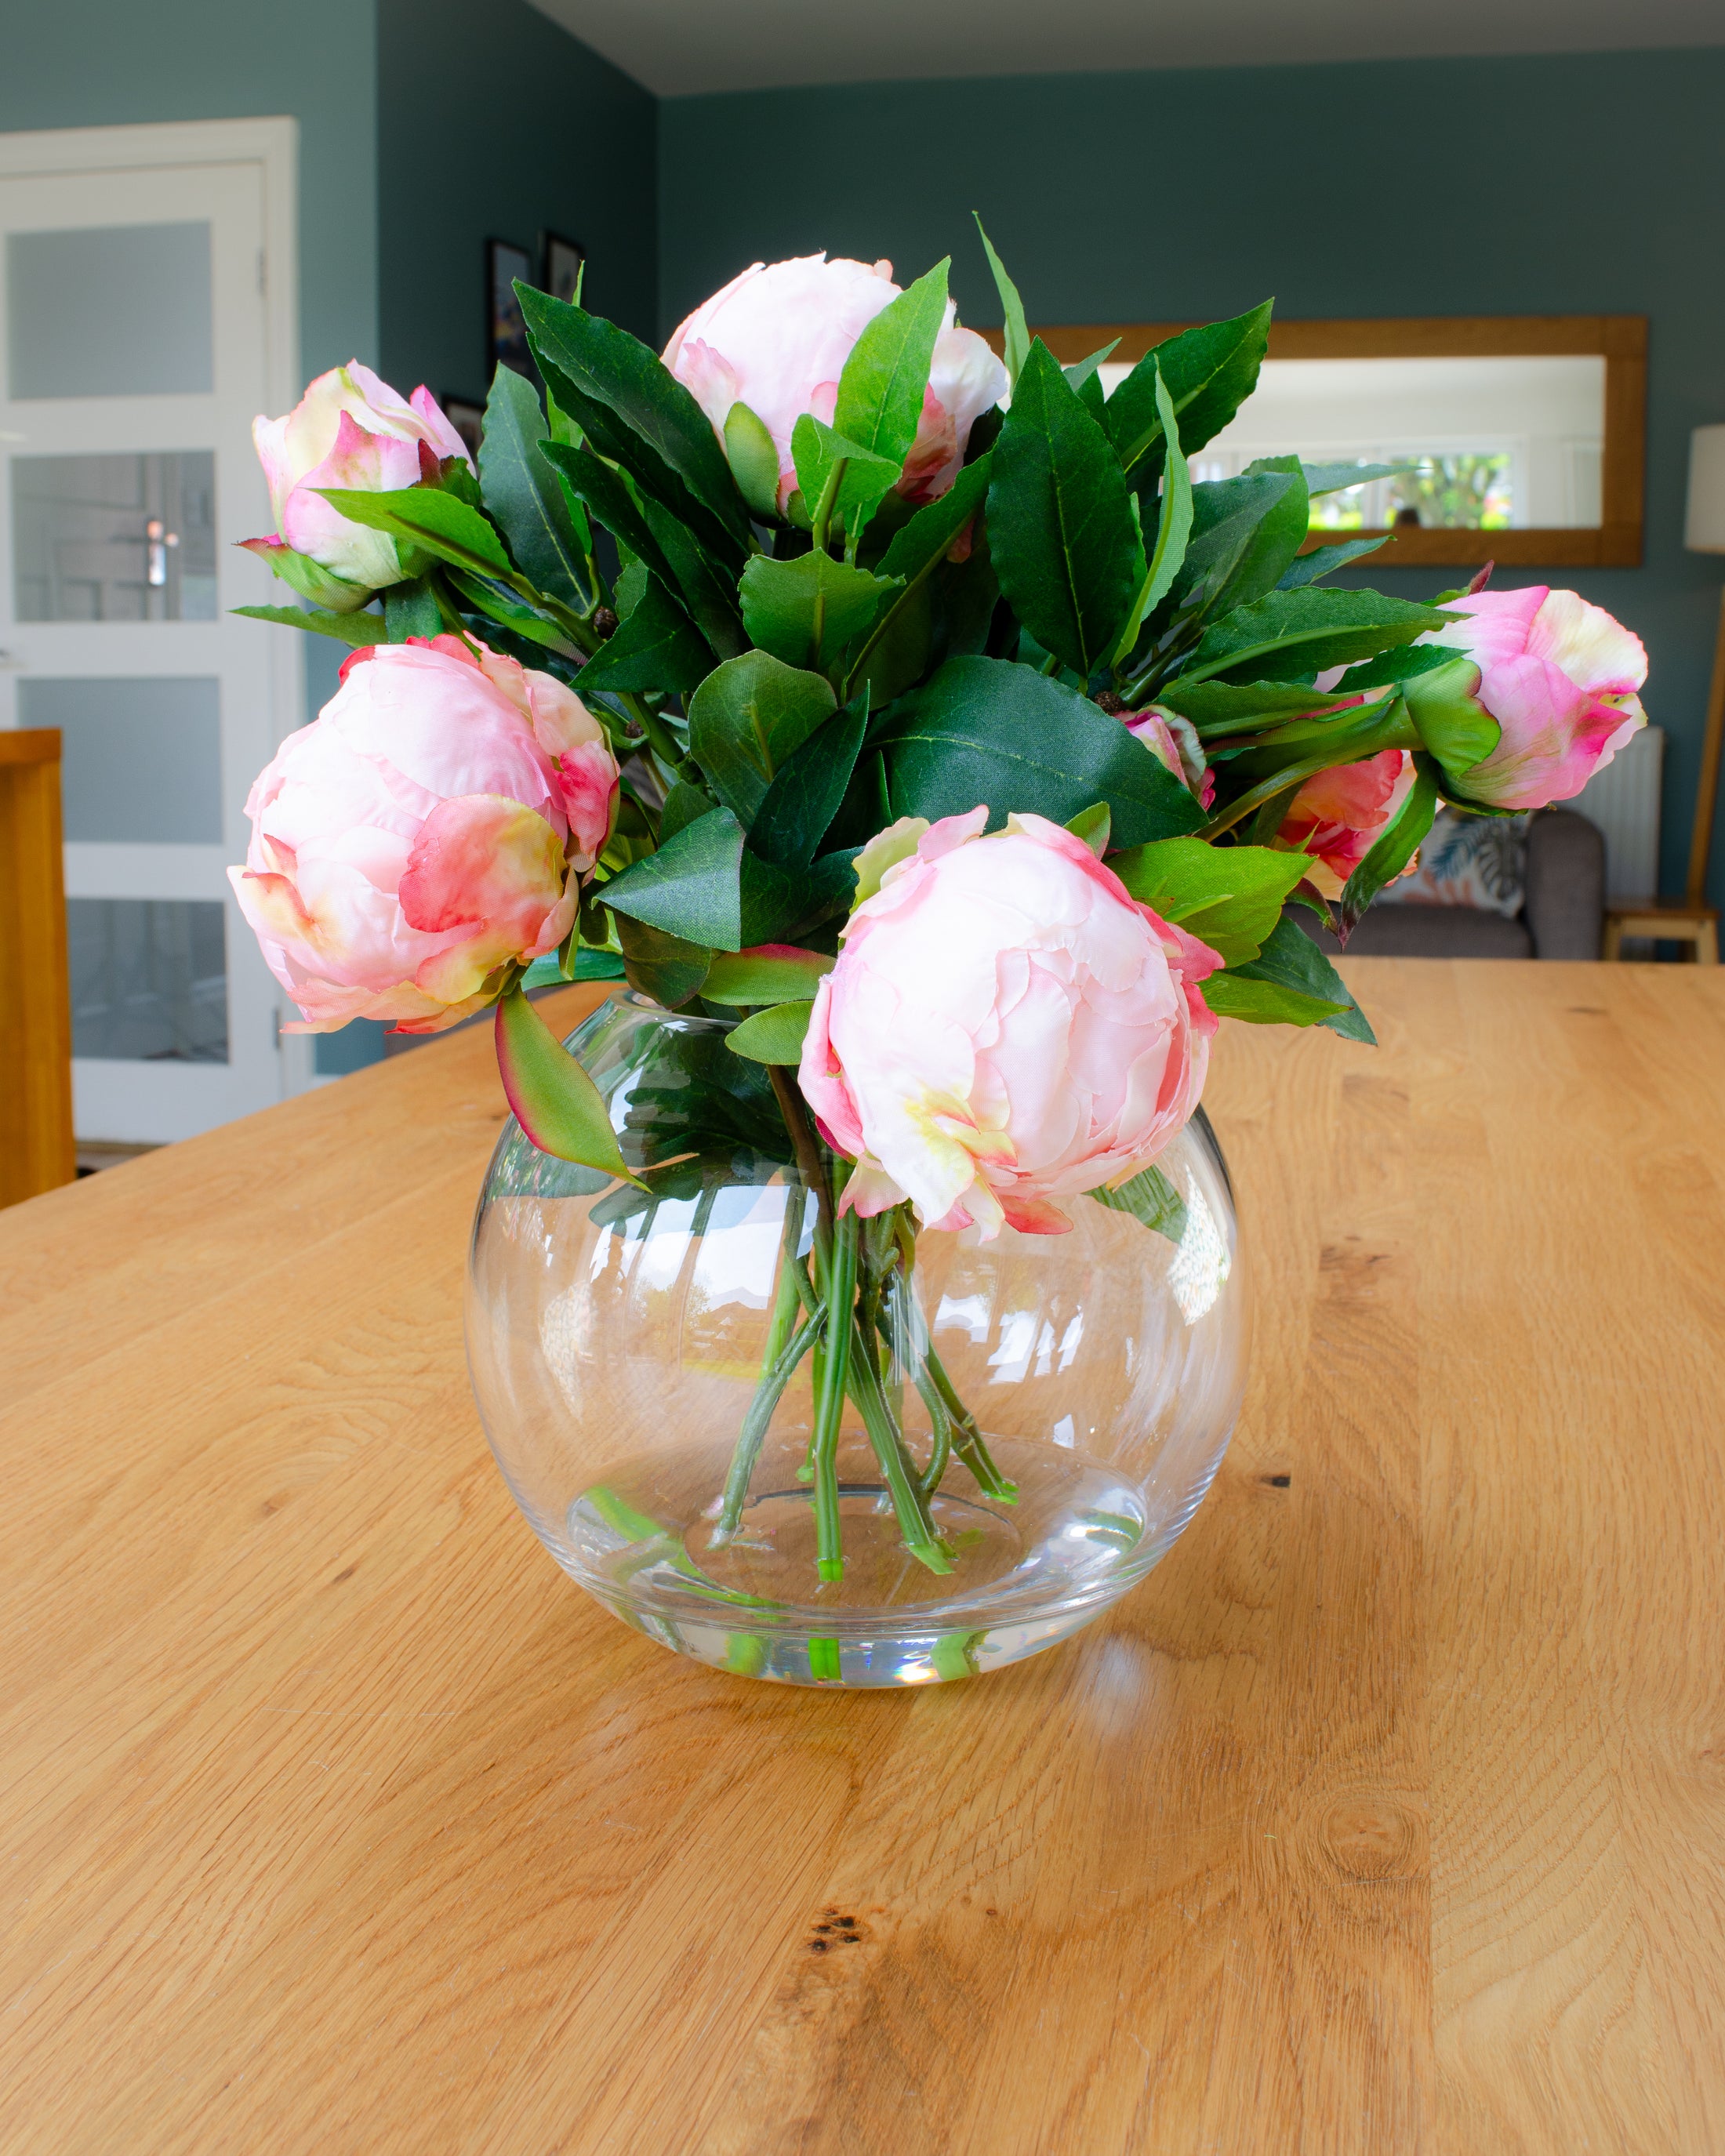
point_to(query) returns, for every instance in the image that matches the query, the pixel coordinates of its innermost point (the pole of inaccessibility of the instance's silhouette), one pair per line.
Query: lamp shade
(1705, 528)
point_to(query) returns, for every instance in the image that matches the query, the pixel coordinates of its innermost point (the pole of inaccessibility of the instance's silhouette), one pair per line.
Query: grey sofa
(1563, 915)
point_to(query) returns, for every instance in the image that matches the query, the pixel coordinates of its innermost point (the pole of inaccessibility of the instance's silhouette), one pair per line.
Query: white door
(135, 334)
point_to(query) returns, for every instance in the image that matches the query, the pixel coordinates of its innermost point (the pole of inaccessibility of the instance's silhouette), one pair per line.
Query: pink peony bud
(1338, 816)
(1557, 674)
(348, 430)
(427, 828)
(1005, 1027)
(1174, 742)
(777, 338)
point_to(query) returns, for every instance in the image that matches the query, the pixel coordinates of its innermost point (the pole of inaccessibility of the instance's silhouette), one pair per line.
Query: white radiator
(1623, 799)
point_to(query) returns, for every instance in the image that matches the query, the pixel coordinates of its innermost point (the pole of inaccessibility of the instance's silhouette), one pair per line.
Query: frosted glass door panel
(122, 310)
(114, 538)
(140, 761)
(149, 979)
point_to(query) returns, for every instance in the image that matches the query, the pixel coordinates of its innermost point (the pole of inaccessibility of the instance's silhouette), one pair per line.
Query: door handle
(157, 539)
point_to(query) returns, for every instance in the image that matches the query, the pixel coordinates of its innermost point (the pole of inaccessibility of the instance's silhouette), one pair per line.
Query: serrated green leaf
(665, 968)
(748, 718)
(1151, 1198)
(608, 366)
(806, 611)
(1229, 897)
(1065, 544)
(990, 731)
(524, 496)
(1210, 372)
(437, 522)
(773, 1035)
(1284, 634)
(690, 888)
(797, 808)
(684, 805)
(553, 1100)
(602, 490)
(707, 591)
(355, 630)
(657, 647)
(881, 384)
(770, 973)
(1012, 308)
(1227, 514)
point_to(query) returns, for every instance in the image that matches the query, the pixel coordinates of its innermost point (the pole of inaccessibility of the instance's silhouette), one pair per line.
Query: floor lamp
(1693, 920)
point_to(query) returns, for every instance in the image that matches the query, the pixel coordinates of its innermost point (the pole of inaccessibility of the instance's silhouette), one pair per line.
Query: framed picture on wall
(564, 261)
(467, 418)
(504, 263)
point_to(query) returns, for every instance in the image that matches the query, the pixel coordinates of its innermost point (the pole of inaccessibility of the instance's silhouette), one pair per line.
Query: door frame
(272, 143)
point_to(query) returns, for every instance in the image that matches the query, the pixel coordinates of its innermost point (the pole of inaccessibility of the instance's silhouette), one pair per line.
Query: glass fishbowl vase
(1050, 1409)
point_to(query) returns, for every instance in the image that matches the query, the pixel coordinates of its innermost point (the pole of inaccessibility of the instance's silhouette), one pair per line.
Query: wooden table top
(1388, 1814)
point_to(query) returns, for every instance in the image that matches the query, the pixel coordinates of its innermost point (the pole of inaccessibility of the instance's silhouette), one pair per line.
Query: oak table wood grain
(1389, 1814)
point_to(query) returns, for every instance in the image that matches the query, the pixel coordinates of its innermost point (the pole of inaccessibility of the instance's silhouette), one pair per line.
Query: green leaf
(1065, 547)
(881, 387)
(524, 496)
(1093, 825)
(1227, 515)
(554, 1100)
(817, 449)
(1229, 897)
(1276, 541)
(1285, 634)
(609, 367)
(771, 973)
(747, 719)
(922, 543)
(1082, 375)
(1324, 562)
(1012, 308)
(1151, 1198)
(1210, 372)
(753, 455)
(797, 808)
(657, 647)
(707, 590)
(437, 522)
(355, 630)
(807, 610)
(1447, 714)
(411, 610)
(1395, 844)
(665, 968)
(1290, 983)
(330, 593)
(503, 607)
(603, 490)
(1174, 528)
(684, 805)
(1243, 707)
(690, 888)
(1337, 478)
(990, 731)
(773, 1035)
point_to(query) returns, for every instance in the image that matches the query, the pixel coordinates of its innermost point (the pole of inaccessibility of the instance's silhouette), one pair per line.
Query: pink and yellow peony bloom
(1174, 742)
(351, 430)
(429, 828)
(776, 339)
(1557, 674)
(1005, 1027)
(1338, 817)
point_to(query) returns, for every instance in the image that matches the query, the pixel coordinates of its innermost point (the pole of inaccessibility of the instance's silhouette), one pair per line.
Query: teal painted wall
(1592, 183)
(495, 124)
(99, 64)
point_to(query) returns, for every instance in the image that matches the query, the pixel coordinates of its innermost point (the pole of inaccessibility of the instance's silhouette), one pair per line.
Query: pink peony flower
(777, 338)
(348, 430)
(1559, 677)
(427, 828)
(1337, 817)
(1005, 1027)
(1174, 742)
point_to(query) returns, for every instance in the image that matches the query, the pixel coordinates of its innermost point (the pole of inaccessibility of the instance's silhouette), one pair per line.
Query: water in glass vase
(1024, 1425)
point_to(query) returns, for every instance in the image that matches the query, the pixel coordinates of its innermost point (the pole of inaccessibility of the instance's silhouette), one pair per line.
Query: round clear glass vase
(616, 1338)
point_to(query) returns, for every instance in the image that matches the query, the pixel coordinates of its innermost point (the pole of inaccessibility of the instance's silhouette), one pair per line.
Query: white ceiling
(676, 47)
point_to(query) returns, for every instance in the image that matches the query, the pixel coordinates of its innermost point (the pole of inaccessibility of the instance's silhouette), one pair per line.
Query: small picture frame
(507, 339)
(564, 261)
(467, 419)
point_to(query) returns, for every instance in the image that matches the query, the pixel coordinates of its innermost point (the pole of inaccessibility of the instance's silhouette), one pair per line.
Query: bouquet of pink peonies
(912, 710)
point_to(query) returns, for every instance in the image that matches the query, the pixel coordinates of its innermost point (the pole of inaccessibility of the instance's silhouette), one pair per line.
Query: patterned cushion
(1480, 861)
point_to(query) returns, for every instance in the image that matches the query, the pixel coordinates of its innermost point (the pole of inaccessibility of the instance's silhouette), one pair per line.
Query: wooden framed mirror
(1522, 436)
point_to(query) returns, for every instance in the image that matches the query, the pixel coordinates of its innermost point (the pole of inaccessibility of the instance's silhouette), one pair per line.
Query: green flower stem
(750, 1437)
(922, 1538)
(968, 1441)
(807, 1151)
(941, 1449)
(829, 1402)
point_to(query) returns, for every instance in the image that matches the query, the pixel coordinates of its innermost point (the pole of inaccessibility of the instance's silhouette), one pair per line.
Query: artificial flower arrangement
(910, 707)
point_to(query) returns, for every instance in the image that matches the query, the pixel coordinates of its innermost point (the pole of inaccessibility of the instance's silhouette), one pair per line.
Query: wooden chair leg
(1706, 943)
(1614, 939)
